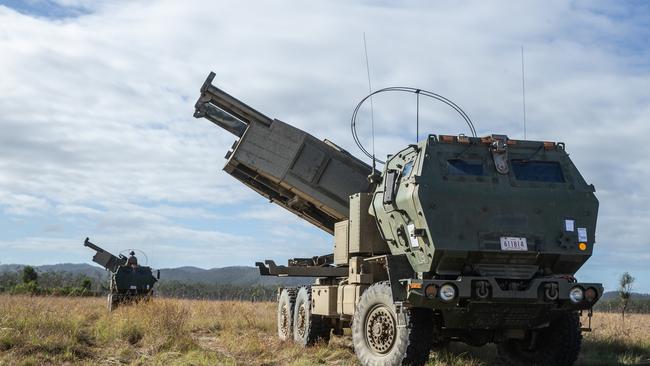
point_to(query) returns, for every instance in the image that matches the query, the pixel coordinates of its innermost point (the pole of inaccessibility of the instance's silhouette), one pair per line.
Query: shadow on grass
(613, 352)
(594, 353)
(463, 354)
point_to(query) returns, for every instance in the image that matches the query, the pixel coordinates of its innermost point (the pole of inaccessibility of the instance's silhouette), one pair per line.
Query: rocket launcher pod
(283, 163)
(104, 258)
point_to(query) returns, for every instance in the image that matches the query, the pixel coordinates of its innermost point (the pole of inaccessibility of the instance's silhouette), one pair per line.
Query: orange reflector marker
(512, 142)
(447, 138)
(590, 294)
(582, 246)
(413, 285)
(431, 291)
(549, 145)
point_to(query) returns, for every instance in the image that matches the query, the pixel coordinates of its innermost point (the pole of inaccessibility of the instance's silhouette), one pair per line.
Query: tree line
(215, 291)
(29, 281)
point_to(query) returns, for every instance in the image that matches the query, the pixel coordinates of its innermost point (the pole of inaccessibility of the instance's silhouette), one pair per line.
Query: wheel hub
(380, 330)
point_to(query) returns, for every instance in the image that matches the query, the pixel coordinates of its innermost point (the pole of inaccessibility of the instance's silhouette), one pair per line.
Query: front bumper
(548, 292)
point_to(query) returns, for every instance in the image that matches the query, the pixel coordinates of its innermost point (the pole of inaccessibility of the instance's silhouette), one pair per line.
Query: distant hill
(236, 275)
(75, 268)
(609, 295)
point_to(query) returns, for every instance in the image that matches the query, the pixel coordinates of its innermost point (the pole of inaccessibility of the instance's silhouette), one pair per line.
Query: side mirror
(158, 274)
(390, 186)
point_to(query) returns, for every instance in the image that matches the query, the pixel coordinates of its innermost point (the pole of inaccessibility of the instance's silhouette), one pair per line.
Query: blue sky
(97, 136)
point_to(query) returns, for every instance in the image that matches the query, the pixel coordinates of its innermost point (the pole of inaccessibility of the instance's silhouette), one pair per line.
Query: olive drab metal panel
(341, 252)
(323, 300)
(347, 298)
(488, 206)
(357, 273)
(308, 177)
(363, 234)
(140, 279)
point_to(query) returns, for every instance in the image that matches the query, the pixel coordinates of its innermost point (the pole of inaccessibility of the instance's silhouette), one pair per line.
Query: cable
(417, 116)
(418, 92)
(372, 108)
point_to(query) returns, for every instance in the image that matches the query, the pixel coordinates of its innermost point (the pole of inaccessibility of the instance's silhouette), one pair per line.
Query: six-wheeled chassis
(481, 312)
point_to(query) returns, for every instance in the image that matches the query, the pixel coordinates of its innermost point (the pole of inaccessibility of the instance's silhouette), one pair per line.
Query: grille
(509, 271)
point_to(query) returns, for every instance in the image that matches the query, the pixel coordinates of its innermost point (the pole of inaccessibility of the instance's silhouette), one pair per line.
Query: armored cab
(129, 282)
(459, 238)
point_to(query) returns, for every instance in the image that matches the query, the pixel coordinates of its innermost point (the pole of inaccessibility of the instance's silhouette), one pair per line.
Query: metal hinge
(499, 149)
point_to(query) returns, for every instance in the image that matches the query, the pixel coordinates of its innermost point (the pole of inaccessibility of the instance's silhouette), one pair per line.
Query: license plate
(512, 243)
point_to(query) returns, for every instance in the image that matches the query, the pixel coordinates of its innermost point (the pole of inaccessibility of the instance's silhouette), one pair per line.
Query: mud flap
(398, 268)
(400, 313)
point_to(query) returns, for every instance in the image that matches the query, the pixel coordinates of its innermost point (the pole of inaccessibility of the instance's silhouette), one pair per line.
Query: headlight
(447, 292)
(576, 295)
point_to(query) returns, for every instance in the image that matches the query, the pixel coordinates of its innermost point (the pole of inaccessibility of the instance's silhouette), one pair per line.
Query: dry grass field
(79, 331)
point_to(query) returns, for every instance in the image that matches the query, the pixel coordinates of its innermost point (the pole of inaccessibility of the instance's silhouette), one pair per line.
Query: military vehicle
(130, 282)
(459, 238)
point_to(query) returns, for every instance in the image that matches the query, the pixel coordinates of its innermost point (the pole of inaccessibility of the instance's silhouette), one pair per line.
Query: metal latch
(499, 149)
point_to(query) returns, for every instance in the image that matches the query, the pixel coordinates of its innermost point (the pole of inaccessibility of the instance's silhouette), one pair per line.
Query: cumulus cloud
(97, 134)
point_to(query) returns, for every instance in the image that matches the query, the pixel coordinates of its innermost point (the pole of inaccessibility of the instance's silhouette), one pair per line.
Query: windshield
(538, 171)
(465, 167)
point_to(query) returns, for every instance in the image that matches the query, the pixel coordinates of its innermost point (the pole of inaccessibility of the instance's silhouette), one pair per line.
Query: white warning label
(582, 234)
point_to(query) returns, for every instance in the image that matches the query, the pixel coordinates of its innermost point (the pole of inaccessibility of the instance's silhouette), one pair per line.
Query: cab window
(465, 167)
(408, 167)
(537, 171)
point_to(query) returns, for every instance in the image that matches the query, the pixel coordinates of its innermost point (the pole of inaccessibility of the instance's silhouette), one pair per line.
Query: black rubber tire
(307, 327)
(410, 345)
(438, 342)
(286, 303)
(557, 345)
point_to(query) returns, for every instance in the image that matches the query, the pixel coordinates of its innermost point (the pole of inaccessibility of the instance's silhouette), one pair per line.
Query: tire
(557, 345)
(286, 303)
(438, 342)
(307, 327)
(377, 339)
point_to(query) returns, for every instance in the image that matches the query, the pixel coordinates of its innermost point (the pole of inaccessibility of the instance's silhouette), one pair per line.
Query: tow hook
(551, 291)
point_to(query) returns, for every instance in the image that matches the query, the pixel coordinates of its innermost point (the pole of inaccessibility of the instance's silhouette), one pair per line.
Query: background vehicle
(458, 239)
(130, 282)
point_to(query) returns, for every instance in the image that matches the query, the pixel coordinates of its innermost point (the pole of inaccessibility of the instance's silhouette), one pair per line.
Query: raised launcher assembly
(284, 164)
(129, 281)
(466, 239)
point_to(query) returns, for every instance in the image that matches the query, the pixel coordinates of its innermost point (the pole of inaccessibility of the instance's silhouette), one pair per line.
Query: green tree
(625, 291)
(29, 275)
(86, 284)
